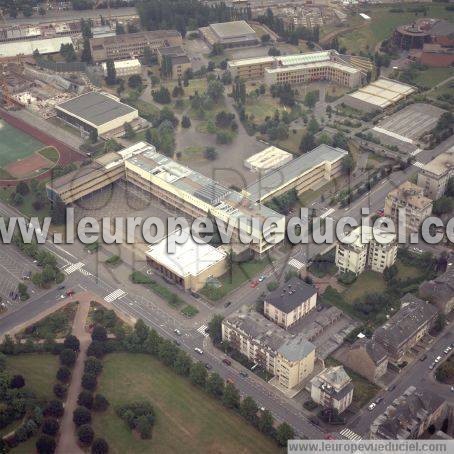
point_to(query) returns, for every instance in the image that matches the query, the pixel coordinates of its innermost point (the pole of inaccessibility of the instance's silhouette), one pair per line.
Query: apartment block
(332, 388)
(288, 304)
(409, 198)
(366, 247)
(434, 176)
(290, 358)
(132, 45)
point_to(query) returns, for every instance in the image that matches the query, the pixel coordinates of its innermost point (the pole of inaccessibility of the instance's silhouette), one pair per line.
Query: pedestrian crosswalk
(419, 164)
(74, 267)
(349, 434)
(119, 293)
(296, 264)
(202, 330)
(85, 272)
(327, 213)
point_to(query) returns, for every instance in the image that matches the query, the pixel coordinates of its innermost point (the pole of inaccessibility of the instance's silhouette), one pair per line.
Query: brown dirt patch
(30, 166)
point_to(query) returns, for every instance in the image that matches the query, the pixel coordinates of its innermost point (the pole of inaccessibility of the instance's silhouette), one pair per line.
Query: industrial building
(230, 34)
(132, 45)
(378, 95)
(125, 68)
(300, 68)
(268, 159)
(43, 46)
(191, 264)
(434, 176)
(366, 247)
(288, 304)
(305, 172)
(332, 389)
(96, 112)
(289, 357)
(409, 199)
(184, 189)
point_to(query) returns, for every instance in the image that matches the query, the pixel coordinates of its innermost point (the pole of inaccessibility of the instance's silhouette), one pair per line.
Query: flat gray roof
(232, 29)
(95, 108)
(286, 173)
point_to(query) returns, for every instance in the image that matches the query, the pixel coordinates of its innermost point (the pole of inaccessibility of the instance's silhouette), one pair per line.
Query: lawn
(39, 371)
(199, 85)
(241, 272)
(187, 420)
(27, 206)
(367, 282)
(407, 271)
(292, 143)
(430, 77)
(50, 153)
(15, 144)
(262, 107)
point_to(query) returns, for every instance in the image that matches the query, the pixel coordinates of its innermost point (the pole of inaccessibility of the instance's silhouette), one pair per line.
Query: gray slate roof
(289, 296)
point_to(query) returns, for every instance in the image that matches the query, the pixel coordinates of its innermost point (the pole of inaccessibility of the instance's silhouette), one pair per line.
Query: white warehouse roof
(44, 46)
(189, 258)
(123, 64)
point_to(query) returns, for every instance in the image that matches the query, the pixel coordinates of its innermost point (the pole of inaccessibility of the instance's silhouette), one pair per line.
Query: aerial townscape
(227, 226)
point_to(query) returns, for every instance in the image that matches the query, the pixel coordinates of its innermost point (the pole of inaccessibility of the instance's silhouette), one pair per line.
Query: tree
(100, 403)
(198, 374)
(443, 205)
(22, 188)
(81, 416)
(68, 357)
(347, 164)
(89, 382)
(99, 446)
(265, 38)
(284, 433)
(162, 96)
(64, 374)
(239, 91)
(72, 343)
(210, 153)
(340, 140)
(86, 51)
(68, 53)
(249, 409)
(45, 444)
(215, 329)
(440, 323)
(54, 408)
(231, 397)
(135, 81)
(265, 422)
(60, 390)
(111, 77)
(185, 121)
(311, 98)
(274, 52)
(129, 132)
(85, 435)
(50, 426)
(215, 90)
(167, 352)
(17, 382)
(93, 366)
(85, 399)
(99, 333)
(313, 126)
(307, 143)
(215, 385)
(182, 364)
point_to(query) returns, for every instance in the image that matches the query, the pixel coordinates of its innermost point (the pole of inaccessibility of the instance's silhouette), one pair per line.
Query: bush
(89, 382)
(81, 416)
(138, 416)
(100, 403)
(85, 435)
(64, 374)
(85, 399)
(45, 444)
(50, 426)
(99, 446)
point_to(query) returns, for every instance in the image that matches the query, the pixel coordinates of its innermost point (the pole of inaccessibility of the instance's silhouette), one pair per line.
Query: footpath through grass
(187, 420)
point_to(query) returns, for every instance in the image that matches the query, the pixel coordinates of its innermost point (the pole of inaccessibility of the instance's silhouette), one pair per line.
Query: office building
(409, 199)
(290, 358)
(434, 176)
(288, 304)
(366, 247)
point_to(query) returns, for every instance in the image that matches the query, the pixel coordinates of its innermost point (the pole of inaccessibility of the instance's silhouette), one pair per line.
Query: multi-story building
(270, 158)
(332, 388)
(229, 34)
(125, 68)
(186, 190)
(410, 199)
(434, 176)
(290, 358)
(366, 247)
(288, 304)
(367, 358)
(405, 328)
(409, 416)
(323, 163)
(132, 45)
(178, 60)
(300, 68)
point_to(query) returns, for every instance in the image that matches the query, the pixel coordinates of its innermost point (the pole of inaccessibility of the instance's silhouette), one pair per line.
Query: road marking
(85, 272)
(419, 164)
(350, 435)
(327, 213)
(202, 330)
(114, 295)
(296, 264)
(74, 267)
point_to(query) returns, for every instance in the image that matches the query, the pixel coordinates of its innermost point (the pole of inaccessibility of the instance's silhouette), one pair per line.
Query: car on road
(423, 358)
(431, 366)
(447, 350)
(262, 278)
(198, 350)
(243, 374)
(372, 406)
(227, 361)
(177, 332)
(227, 304)
(392, 388)
(208, 366)
(62, 287)
(452, 389)
(70, 292)
(254, 284)
(176, 342)
(437, 359)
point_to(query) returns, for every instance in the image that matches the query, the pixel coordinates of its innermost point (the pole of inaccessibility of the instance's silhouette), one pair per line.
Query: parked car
(378, 400)
(227, 361)
(208, 366)
(177, 332)
(372, 406)
(254, 284)
(431, 366)
(227, 304)
(198, 350)
(243, 374)
(423, 358)
(392, 388)
(437, 359)
(70, 292)
(62, 287)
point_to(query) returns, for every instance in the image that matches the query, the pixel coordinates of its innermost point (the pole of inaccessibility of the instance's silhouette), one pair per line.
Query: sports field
(15, 144)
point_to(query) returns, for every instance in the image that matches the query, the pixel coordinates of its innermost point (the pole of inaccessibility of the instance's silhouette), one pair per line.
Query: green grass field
(432, 76)
(187, 420)
(15, 144)
(367, 282)
(38, 370)
(50, 153)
